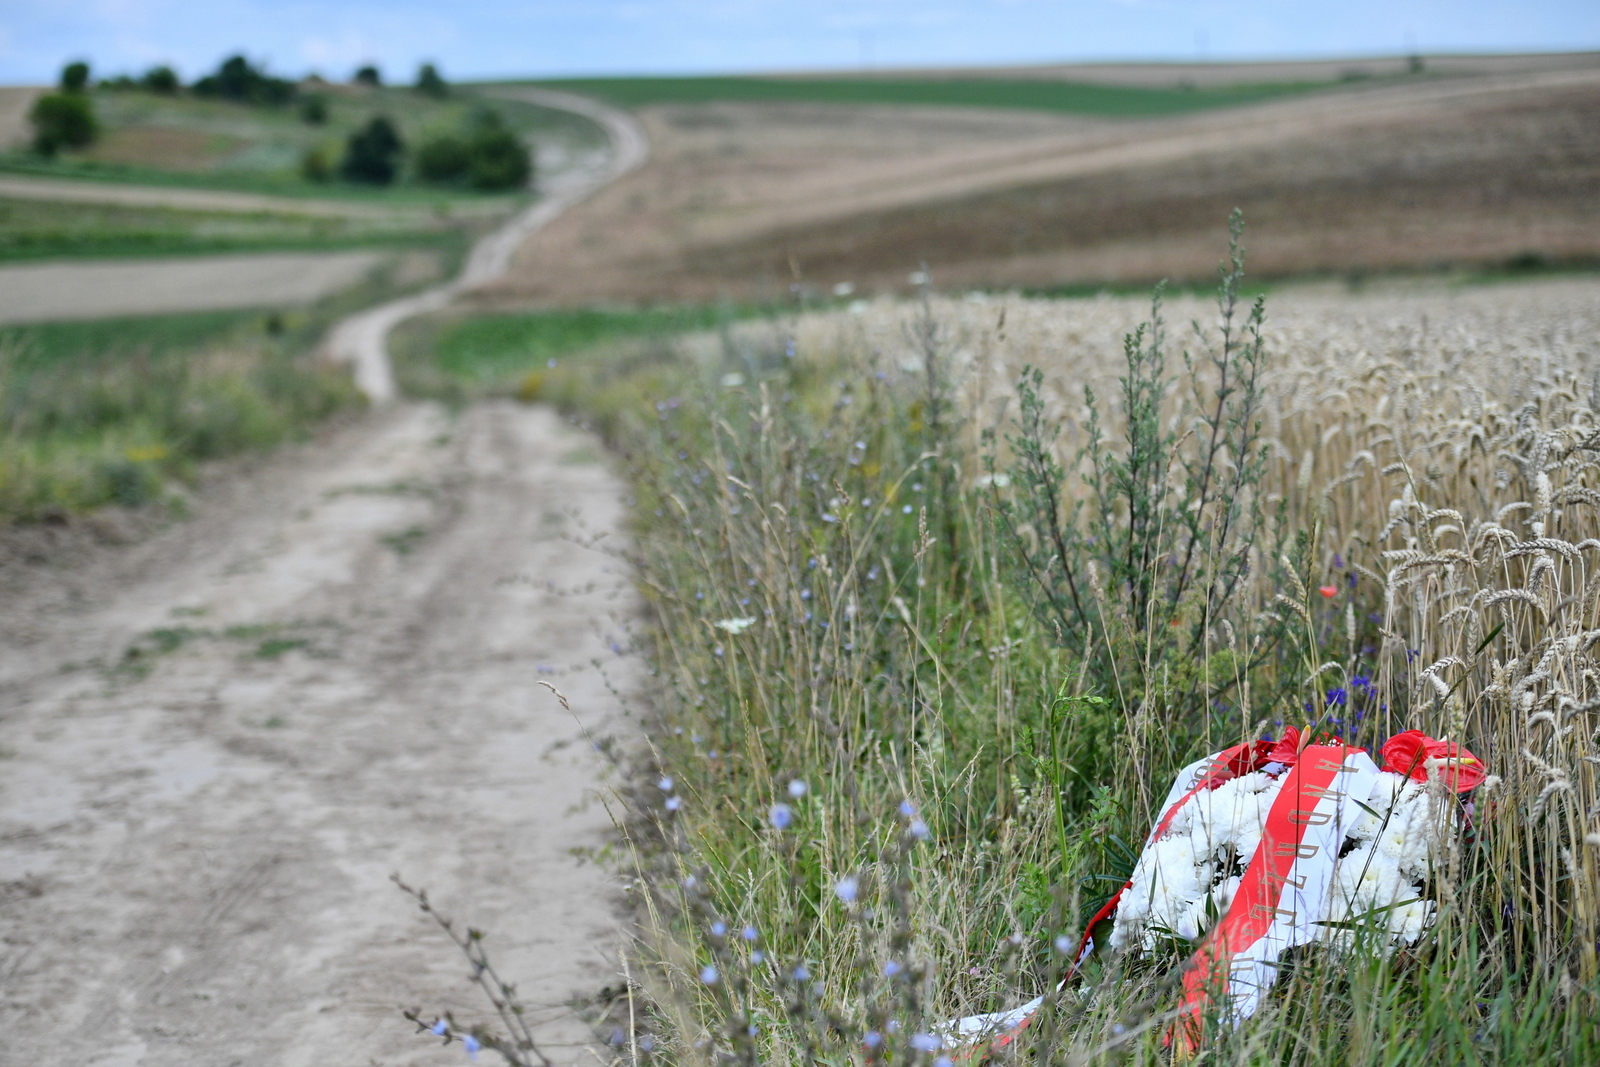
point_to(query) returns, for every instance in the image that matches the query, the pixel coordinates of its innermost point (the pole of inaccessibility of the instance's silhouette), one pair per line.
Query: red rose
(1409, 753)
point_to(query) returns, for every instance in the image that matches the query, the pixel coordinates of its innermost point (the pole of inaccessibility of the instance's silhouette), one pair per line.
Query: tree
(372, 154)
(61, 120)
(162, 79)
(369, 76)
(75, 77)
(236, 79)
(430, 83)
(443, 160)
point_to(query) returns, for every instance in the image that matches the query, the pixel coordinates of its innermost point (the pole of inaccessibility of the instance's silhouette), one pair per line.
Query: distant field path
(63, 190)
(360, 340)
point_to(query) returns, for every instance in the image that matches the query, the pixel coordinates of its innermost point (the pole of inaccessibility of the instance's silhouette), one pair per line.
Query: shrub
(372, 154)
(443, 160)
(368, 76)
(499, 161)
(162, 80)
(62, 120)
(499, 158)
(314, 109)
(430, 83)
(75, 77)
(317, 163)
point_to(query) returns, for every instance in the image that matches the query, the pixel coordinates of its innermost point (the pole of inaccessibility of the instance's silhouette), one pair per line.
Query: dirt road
(361, 339)
(47, 292)
(60, 190)
(215, 746)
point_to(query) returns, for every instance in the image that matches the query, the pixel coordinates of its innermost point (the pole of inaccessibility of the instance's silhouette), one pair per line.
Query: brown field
(165, 148)
(1475, 169)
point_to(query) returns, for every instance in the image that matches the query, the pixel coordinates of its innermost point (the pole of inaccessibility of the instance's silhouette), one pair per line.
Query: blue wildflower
(846, 889)
(440, 1028)
(780, 816)
(470, 1043)
(708, 974)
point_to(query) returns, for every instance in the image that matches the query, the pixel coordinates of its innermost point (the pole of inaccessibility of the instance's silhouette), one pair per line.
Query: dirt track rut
(338, 679)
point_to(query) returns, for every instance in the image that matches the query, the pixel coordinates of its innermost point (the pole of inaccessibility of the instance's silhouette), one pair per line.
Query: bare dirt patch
(217, 745)
(738, 198)
(164, 147)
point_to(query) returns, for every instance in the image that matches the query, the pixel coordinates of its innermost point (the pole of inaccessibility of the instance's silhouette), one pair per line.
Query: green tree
(314, 109)
(430, 83)
(75, 77)
(238, 80)
(162, 80)
(372, 155)
(62, 120)
(369, 76)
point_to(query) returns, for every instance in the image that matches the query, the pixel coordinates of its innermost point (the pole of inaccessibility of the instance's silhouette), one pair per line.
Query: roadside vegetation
(123, 411)
(945, 592)
(456, 357)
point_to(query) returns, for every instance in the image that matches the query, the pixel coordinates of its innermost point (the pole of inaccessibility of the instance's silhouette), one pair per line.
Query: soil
(740, 200)
(218, 742)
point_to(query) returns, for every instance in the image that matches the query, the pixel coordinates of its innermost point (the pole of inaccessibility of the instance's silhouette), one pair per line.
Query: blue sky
(477, 38)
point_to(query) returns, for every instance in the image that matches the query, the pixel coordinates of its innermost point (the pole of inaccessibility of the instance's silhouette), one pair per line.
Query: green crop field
(1038, 95)
(35, 229)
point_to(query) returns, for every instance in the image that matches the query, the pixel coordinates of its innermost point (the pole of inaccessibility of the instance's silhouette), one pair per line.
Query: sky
(534, 38)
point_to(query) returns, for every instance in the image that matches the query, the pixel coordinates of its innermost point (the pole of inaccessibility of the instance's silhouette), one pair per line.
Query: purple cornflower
(845, 890)
(780, 816)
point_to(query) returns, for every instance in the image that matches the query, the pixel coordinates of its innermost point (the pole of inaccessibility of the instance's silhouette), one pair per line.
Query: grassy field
(39, 229)
(1035, 94)
(841, 522)
(454, 357)
(188, 142)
